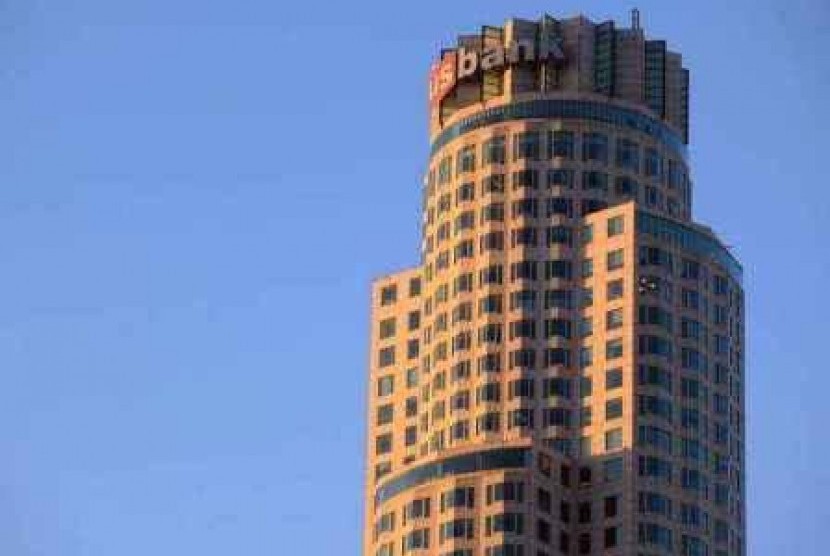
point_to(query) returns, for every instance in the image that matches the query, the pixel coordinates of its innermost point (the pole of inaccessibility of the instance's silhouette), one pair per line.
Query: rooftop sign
(457, 65)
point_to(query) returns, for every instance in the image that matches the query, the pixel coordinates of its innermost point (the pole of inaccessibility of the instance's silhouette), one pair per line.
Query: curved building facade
(563, 372)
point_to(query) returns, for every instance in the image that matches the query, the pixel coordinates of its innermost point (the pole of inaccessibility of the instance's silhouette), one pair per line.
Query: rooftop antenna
(635, 19)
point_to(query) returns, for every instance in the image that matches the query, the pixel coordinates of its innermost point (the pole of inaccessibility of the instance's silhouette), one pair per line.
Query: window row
(536, 145)
(389, 294)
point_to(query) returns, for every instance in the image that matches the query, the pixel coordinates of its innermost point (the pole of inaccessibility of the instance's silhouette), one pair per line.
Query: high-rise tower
(563, 372)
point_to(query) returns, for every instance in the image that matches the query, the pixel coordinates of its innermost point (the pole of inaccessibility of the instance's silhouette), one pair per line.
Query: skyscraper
(563, 372)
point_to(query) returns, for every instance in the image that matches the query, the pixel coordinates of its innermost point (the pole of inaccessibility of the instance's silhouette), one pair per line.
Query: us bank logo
(462, 64)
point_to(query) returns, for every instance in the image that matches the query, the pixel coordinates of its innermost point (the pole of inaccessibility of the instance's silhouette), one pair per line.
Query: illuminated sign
(458, 65)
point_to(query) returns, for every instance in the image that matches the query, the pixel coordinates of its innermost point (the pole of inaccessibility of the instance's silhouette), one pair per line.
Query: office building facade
(563, 372)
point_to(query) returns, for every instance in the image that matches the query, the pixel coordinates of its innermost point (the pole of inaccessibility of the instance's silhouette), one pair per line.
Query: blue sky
(196, 194)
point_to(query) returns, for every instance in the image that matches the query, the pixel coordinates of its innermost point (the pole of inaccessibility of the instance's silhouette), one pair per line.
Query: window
(559, 235)
(613, 378)
(460, 430)
(525, 179)
(494, 212)
(388, 295)
(656, 316)
(557, 327)
(628, 155)
(509, 491)
(492, 184)
(519, 418)
(651, 533)
(416, 540)
(612, 469)
(543, 531)
(465, 160)
(507, 522)
(489, 363)
(383, 444)
(658, 468)
(610, 537)
(585, 417)
(595, 181)
(561, 144)
(615, 259)
(650, 375)
(585, 386)
(526, 146)
(558, 268)
(490, 334)
(590, 206)
(385, 414)
(456, 529)
(463, 250)
(491, 275)
(559, 206)
(560, 177)
(526, 237)
(614, 349)
(411, 406)
(654, 503)
(543, 500)
(558, 299)
(586, 233)
(656, 345)
(653, 163)
(595, 147)
(586, 356)
(584, 543)
(524, 208)
(554, 357)
(414, 320)
(625, 186)
(613, 439)
(412, 349)
(416, 509)
(382, 469)
(613, 409)
(491, 304)
(556, 417)
(584, 512)
(506, 549)
(615, 226)
(615, 289)
(490, 392)
(585, 327)
(411, 435)
(587, 297)
(523, 270)
(492, 241)
(464, 221)
(494, 151)
(385, 524)
(611, 507)
(522, 300)
(459, 497)
(489, 422)
(387, 328)
(385, 385)
(445, 170)
(613, 319)
(654, 405)
(587, 268)
(520, 388)
(465, 192)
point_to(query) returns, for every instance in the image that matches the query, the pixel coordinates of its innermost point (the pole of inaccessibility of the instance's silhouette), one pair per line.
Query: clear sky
(196, 194)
